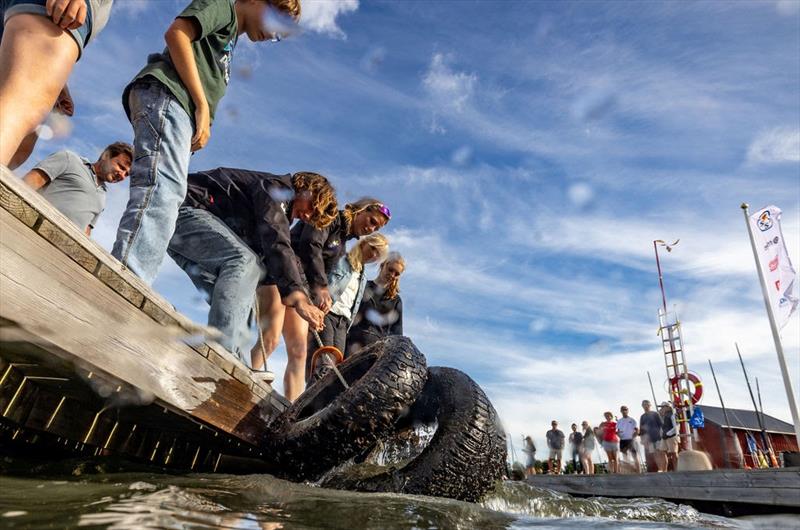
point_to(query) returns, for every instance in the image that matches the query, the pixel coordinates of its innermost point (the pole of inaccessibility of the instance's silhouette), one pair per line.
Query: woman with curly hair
(233, 231)
(381, 310)
(318, 250)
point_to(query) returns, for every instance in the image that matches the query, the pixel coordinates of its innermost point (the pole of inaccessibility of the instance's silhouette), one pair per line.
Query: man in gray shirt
(76, 186)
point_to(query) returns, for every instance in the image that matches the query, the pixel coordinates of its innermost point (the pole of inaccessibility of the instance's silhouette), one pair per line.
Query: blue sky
(530, 153)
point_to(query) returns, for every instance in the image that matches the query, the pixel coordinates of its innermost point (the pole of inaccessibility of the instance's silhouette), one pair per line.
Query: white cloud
(320, 15)
(775, 146)
(450, 90)
(787, 8)
(461, 155)
(134, 7)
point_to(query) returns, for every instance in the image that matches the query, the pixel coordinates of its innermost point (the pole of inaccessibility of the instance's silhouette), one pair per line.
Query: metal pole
(655, 401)
(684, 427)
(787, 382)
(725, 414)
(764, 435)
(660, 279)
(749, 388)
(753, 399)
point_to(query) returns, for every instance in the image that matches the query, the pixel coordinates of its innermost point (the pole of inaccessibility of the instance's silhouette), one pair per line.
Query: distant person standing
(589, 442)
(555, 444)
(576, 442)
(76, 186)
(669, 435)
(627, 430)
(608, 434)
(650, 424)
(529, 448)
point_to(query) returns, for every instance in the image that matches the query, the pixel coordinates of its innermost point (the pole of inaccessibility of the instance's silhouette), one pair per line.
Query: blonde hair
(393, 289)
(323, 197)
(354, 208)
(289, 7)
(376, 241)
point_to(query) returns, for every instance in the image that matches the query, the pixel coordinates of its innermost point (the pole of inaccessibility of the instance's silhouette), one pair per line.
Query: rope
(260, 335)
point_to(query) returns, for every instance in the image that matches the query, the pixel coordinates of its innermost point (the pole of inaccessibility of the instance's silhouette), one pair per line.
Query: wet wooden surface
(775, 487)
(74, 324)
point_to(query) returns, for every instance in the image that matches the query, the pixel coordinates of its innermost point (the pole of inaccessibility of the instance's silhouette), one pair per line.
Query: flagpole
(726, 454)
(787, 383)
(655, 401)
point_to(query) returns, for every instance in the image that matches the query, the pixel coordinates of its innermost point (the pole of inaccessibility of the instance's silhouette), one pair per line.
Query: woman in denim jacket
(346, 283)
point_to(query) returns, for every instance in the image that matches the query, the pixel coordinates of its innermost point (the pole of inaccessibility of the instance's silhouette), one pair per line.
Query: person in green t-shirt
(171, 104)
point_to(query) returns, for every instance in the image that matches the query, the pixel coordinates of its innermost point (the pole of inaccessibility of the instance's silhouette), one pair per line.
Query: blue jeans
(221, 265)
(161, 149)
(9, 8)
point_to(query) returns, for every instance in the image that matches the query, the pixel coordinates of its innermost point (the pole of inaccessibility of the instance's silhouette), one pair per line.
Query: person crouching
(233, 227)
(346, 283)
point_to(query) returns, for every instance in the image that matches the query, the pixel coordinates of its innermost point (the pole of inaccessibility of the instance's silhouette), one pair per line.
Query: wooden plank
(17, 207)
(27, 205)
(769, 487)
(744, 478)
(115, 280)
(16, 192)
(65, 306)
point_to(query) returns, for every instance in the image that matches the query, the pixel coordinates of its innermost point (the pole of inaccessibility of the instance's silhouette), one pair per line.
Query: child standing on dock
(555, 443)
(575, 443)
(529, 448)
(608, 434)
(669, 435)
(587, 448)
(171, 104)
(650, 424)
(627, 431)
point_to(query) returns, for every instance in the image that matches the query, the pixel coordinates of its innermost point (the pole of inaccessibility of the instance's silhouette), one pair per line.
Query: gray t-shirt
(555, 439)
(73, 187)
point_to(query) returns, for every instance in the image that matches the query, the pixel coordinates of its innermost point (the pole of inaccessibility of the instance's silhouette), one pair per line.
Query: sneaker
(264, 376)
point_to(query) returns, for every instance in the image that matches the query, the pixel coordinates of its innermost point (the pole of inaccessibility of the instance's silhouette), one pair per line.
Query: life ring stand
(677, 391)
(336, 354)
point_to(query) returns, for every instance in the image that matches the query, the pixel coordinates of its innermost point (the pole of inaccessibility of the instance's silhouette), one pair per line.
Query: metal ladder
(675, 363)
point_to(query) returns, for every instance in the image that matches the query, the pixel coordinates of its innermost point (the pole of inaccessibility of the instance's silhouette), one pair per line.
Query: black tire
(465, 457)
(327, 424)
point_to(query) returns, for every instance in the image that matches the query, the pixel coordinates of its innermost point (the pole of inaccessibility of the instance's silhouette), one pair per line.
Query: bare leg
(661, 460)
(295, 334)
(270, 323)
(36, 58)
(24, 151)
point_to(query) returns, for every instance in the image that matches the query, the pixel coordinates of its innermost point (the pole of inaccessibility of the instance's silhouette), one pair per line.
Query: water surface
(98, 495)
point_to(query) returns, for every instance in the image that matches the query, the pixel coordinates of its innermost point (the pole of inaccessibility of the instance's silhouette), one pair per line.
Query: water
(96, 495)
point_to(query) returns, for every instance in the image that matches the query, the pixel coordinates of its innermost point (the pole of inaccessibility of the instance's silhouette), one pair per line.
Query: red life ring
(676, 389)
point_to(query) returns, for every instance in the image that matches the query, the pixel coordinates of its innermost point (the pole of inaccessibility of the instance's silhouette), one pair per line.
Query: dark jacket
(257, 207)
(377, 317)
(320, 250)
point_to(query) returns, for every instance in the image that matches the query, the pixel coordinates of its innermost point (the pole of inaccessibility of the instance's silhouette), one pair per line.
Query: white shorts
(555, 454)
(669, 445)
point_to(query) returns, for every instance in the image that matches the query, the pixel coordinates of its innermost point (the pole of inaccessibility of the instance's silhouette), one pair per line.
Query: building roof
(745, 419)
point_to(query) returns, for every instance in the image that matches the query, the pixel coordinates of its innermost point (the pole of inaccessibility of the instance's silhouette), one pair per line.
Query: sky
(530, 153)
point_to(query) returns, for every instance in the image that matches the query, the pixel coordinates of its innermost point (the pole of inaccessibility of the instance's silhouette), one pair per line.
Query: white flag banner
(774, 262)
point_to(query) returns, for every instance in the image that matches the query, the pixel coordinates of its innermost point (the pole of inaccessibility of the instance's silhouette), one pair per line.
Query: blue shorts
(9, 8)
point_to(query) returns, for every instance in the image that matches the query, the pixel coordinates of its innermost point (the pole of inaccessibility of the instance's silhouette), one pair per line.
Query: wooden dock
(92, 361)
(726, 492)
